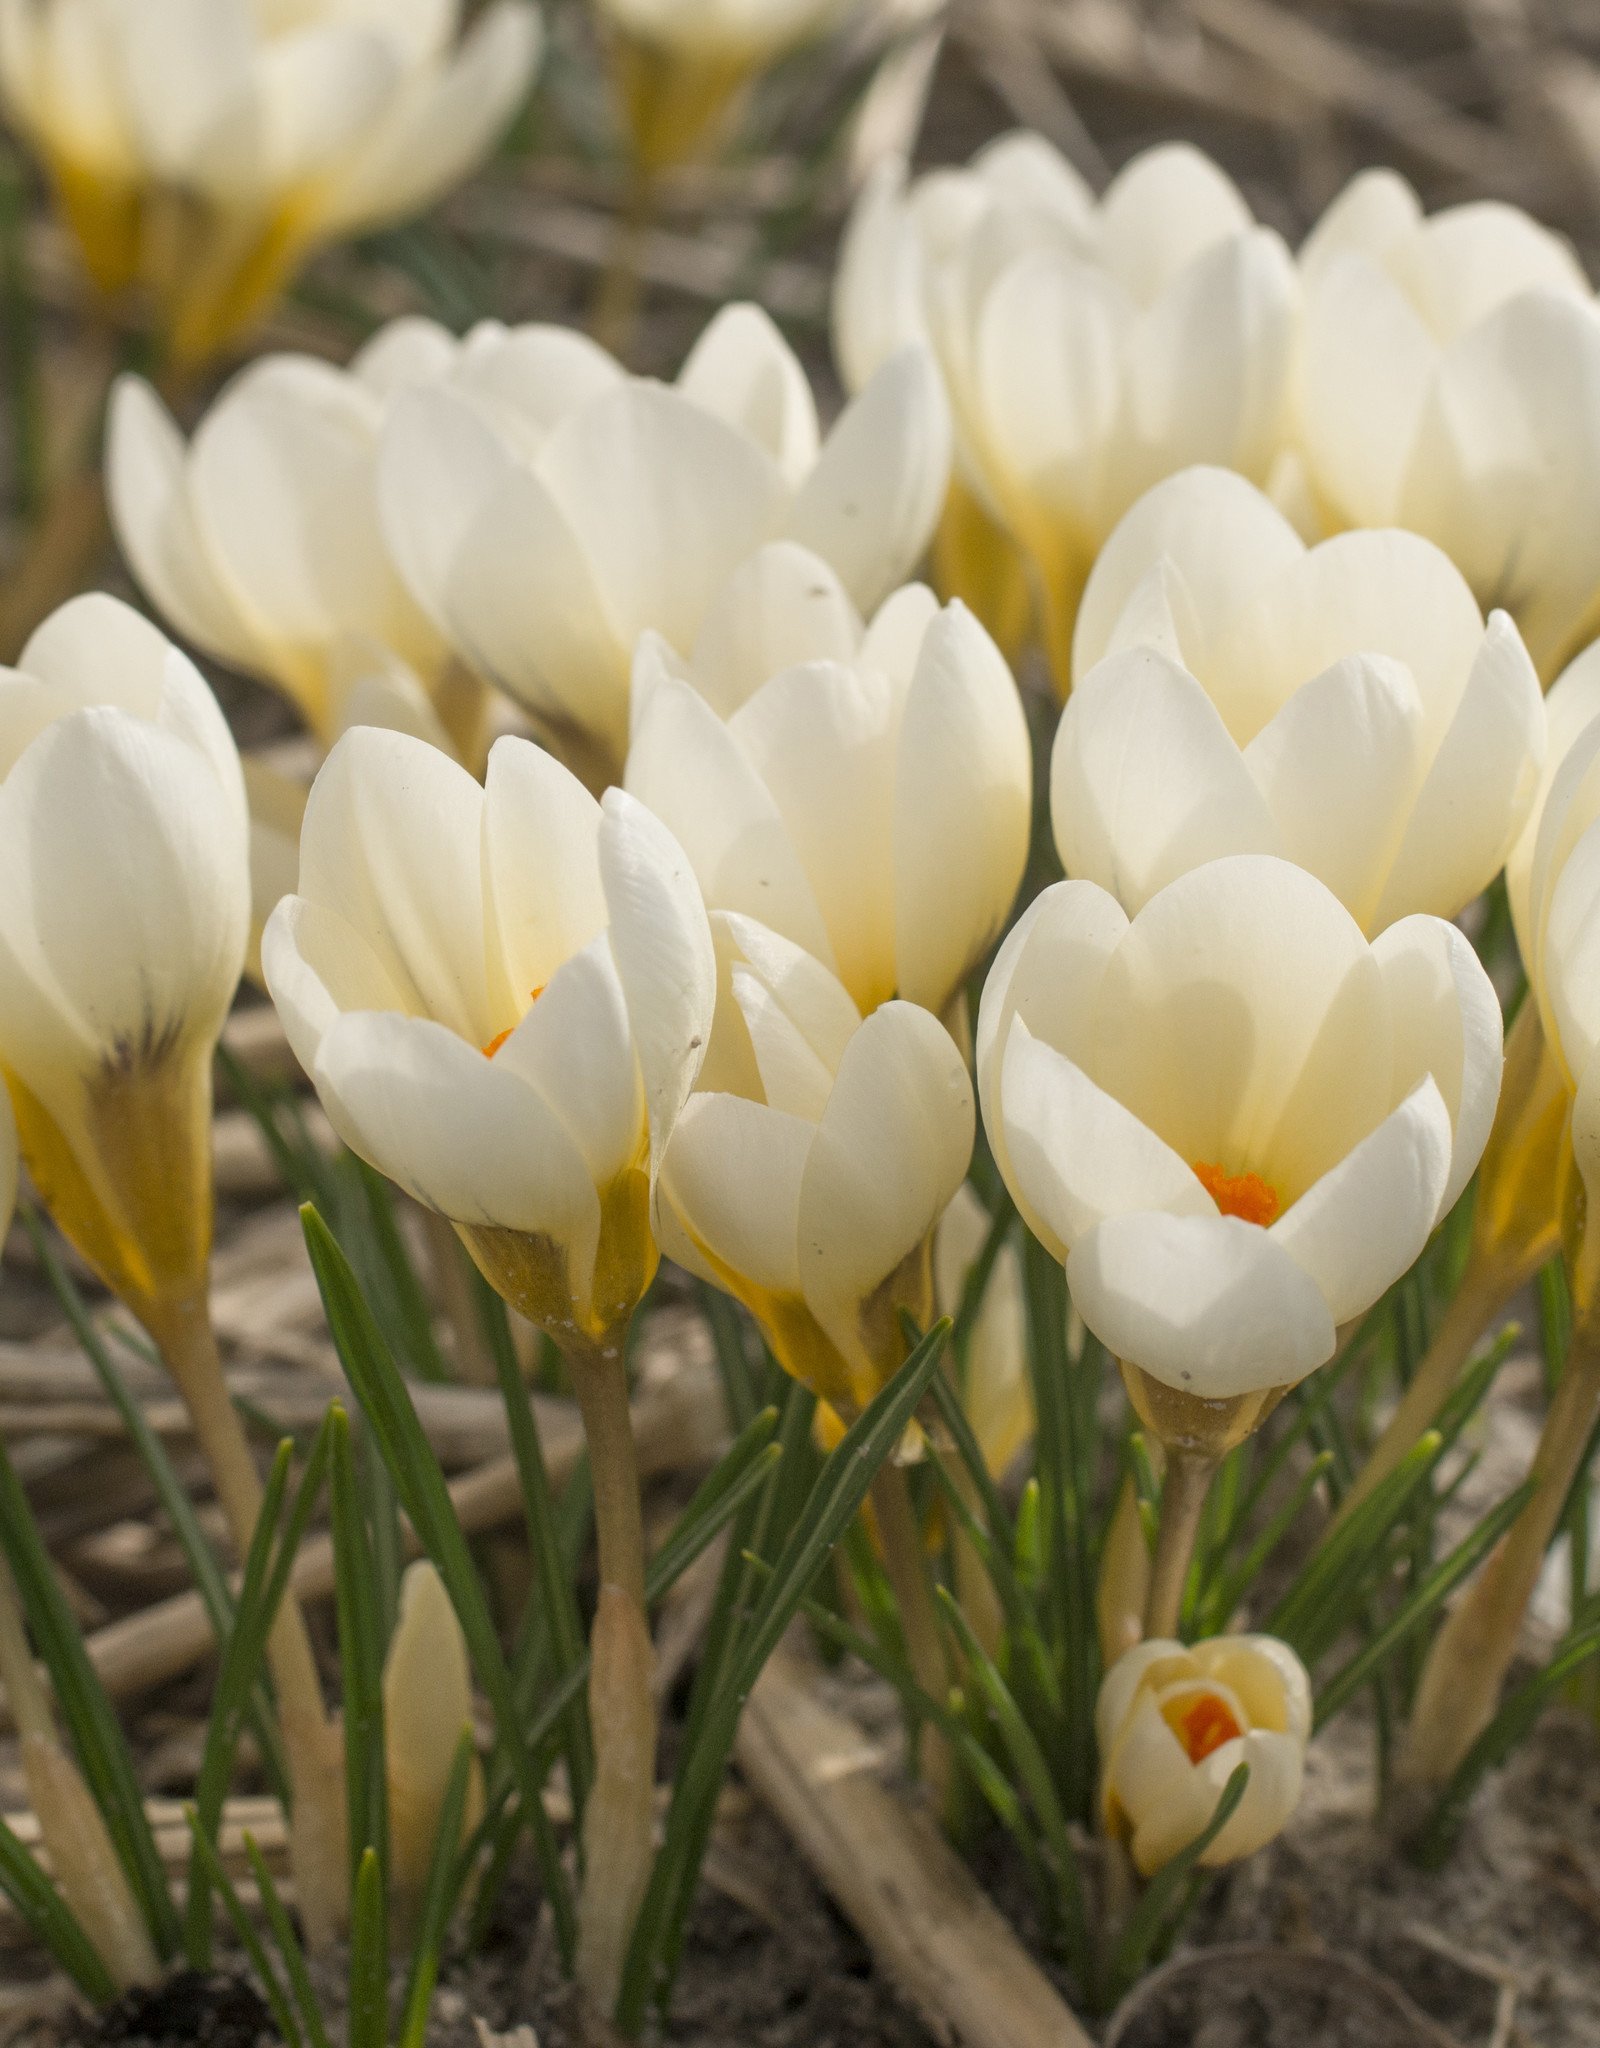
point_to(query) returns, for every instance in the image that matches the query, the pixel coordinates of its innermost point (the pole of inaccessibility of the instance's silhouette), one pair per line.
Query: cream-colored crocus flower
(1174, 1723)
(1344, 706)
(546, 508)
(681, 66)
(503, 994)
(259, 540)
(1450, 382)
(202, 148)
(1233, 1119)
(867, 792)
(808, 1176)
(122, 931)
(1089, 348)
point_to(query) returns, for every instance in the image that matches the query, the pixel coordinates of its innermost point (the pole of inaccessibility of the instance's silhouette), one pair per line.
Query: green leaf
(294, 1961)
(368, 2023)
(51, 1921)
(1151, 1919)
(96, 1735)
(406, 1451)
(361, 1653)
(446, 1867)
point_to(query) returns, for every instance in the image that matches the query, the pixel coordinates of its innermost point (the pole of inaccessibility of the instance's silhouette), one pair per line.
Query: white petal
(1468, 260)
(1445, 1022)
(793, 1078)
(317, 968)
(815, 1002)
(1365, 1222)
(963, 805)
(1077, 1155)
(440, 464)
(1374, 212)
(874, 496)
(528, 379)
(732, 1176)
(1145, 782)
(742, 370)
(782, 607)
(1366, 362)
(410, 350)
(575, 1046)
(541, 858)
(1209, 1305)
(1165, 208)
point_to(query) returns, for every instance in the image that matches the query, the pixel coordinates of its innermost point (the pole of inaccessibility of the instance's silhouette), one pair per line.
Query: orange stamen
(1202, 1724)
(1245, 1195)
(500, 1037)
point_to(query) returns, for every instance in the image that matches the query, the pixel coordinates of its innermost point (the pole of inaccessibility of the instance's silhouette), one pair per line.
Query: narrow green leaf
(1221, 1598)
(277, 1998)
(442, 1889)
(289, 1949)
(361, 1653)
(368, 2022)
(51, 1921)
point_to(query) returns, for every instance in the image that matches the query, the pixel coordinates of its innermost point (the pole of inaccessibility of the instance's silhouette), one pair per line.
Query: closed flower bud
(1449, 375)
(427, 1708)
(1235, 1120)
(503, 995)
(1343, 706)
(203, 147)
(1173, 1725)
(864, 791)
(807, 1180)
(546, 508)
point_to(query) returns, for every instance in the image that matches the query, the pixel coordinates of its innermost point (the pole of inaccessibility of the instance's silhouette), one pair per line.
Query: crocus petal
(1167, 207)
(541, 861)
(317, 968)
(575, 1047)
(963, 753)
(1365, 1222)
(1366, 362)
(782, 607)
(815, 1002)
(742, 370)
(732, 1175)
(1209, 1305)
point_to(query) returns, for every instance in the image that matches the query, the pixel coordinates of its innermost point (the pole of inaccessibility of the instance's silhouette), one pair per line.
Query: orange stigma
(1202, 1723)
(500, 1037)
(1245, 1195)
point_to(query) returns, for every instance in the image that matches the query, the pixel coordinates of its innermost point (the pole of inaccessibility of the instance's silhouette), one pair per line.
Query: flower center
(1202, 1723)
(500, 1037)
(1245, 1195)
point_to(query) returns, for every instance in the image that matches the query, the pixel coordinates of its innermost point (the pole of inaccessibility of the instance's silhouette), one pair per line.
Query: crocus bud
(427, 1708)
(202, 148)
(1344, 706)
(1173, 1724)
(865, 791)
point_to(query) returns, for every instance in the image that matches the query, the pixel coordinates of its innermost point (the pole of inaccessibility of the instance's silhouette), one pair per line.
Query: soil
(194, 2009)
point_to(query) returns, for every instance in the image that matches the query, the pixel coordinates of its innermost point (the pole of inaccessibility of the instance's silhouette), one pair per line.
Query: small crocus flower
(1343, 706)
(865, 791)
(1174, 1723)
(1089, 348)
(427, 1708)
(1450, 383)
(808, 1175)
(546, 508)
(1234, 1119)
(202, 148)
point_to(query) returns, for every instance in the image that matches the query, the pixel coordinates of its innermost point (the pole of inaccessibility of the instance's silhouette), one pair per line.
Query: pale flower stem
(183, 1333)
(25, 1689)
(618, 1841)
(1183, 1500)
(905, 1559)
(1485, 1288)
(1467, 1664)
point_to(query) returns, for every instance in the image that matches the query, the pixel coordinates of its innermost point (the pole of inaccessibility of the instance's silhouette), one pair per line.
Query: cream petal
(1076, 1155)
(1444, 1021)
(732, 1177)
(1225, 539)
(688, 768)
(440, 464)
(877, 299)
(541, 865)
(814, 1001)
(147, 486)
(1267, 1678)
(892, 644)
(317, 968)
(743, 371)
(1209, 1305)
(392, 841)
(1479, 789)
(1468, 260)
(1162, 211)
(1277, 1766)
(1374, 212)
(410, 350)
(1145, 782)
(782, 607)
(1569, 984)
(1366, 364)
(661, 942)
(890, 1151)
(1339, 768)
(873, 498)
(1364, 1224)
(963, 809)
(314, 96)
(458, 1133)
(575, 1046)
(1571, 706)
(793, 1078)
(528, 379)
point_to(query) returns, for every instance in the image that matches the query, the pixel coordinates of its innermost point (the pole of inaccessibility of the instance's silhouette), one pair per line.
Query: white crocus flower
(864, 791)
(1450, 382)
(503, 994)
(546, 508)
(1089, 348)
(122, 932)
(1174, 1723)
(203, 147)
(1233, 1119)
(1342, 705)
(259, 541)
(808, 1178)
